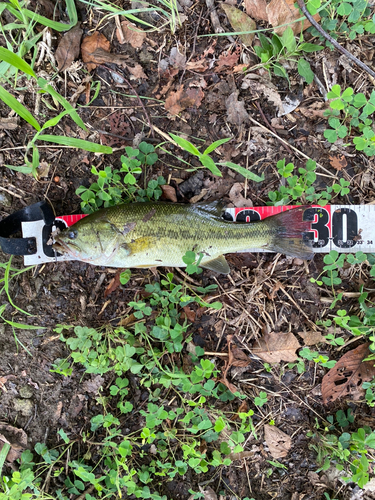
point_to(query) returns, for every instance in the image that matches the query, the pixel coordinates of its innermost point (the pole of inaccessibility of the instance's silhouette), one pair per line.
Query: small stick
(332, 176)
(328, 37)
(270, 126)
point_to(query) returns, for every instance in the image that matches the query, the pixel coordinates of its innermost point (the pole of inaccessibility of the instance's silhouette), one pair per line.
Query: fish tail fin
(290, 237)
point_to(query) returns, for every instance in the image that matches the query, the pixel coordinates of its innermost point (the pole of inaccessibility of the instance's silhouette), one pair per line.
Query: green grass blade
(3, 454)
(15, 60)
(59, 98)
(76, 143)
(243, 171)
(6, 288)
(19, 108)
(72, 12)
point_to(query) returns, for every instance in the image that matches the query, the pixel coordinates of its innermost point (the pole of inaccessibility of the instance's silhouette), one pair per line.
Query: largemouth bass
(159, 234)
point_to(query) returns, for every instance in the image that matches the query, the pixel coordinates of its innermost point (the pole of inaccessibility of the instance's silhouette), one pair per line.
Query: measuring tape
(345, 228)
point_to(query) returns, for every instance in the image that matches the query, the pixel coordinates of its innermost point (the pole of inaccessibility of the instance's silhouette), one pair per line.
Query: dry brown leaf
(169, 193)
(113, 284)
(137, 71)
(93, 384)
(235, 196)
(229, 385)
(199, 65)
(189, 313)
(268, 89)
(176, 59)
(228, 60)
(240, 22)
(131, 34)
(16, 438)
(182, 99)
(9, 123)
(347, 376)
(236, 112)
(277, 441)
(239, 357)
(68, 48)
(257, 9)
(312, 337)
(312, 113)
(276, 347)
(283, 12)
(92, 49)
(209, 494)
(338, 162)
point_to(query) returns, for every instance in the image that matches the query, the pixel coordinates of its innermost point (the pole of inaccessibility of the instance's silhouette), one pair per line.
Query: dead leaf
(347, 376)
(113, 284)
(16, 438)
(131, 34)
(228, 60)
(200, 65)
(338, 162)
(276, 347)
(268, 89)
(240, 455)
(239, 357)
(209, 494)
(283, 12)
(277, 441)
(68, 48)
(169, 193)
(189, 313)
(182, 99)
(236, 112)
(137, 71)
(93, 384)
(235, 196)
(96, 50)
(312, 113)
(229, 385)
(9, 123)
(312, 337)
(240, 22)
(176, 59)
(92, 47)
(257, 9)
(129, 320)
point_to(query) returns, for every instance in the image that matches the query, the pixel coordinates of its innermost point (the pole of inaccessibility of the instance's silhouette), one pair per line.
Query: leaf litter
(203, 80)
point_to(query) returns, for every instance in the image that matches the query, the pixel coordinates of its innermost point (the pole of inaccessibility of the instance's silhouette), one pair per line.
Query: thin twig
(286, 146)
(294, 149)
(328, 37)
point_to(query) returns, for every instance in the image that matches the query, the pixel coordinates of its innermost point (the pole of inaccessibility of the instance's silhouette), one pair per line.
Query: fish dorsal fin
(214, 208)
(219, 265)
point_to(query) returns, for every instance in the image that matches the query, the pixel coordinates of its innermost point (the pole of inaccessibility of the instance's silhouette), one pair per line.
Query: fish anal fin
(219, 265)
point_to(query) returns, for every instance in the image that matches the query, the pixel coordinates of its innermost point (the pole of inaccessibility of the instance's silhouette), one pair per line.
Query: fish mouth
(64, 248)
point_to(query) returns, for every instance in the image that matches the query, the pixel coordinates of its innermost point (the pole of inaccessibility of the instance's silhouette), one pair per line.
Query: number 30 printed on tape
(345, 228)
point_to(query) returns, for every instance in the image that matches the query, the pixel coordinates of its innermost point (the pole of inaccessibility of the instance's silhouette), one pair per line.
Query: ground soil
(39, 401)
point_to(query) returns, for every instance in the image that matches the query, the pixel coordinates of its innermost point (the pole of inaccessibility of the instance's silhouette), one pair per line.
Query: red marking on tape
(71, 219)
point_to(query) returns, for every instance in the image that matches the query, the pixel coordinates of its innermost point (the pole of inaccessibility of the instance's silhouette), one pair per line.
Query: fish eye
(72, 235)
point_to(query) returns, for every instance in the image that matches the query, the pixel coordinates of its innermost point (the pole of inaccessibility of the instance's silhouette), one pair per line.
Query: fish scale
(160, 234)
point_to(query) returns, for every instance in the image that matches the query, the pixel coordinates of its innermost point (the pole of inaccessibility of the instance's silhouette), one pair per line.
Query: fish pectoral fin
(219, 265)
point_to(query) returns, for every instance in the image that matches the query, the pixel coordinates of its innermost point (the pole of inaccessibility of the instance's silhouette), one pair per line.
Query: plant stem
(328, 37)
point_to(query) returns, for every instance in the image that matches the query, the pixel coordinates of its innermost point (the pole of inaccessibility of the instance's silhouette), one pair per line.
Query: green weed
(209, 163)
(31, 166)
(275, 51)
(111, 188)
(349, 110)
(348, 18)
(300, 187)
